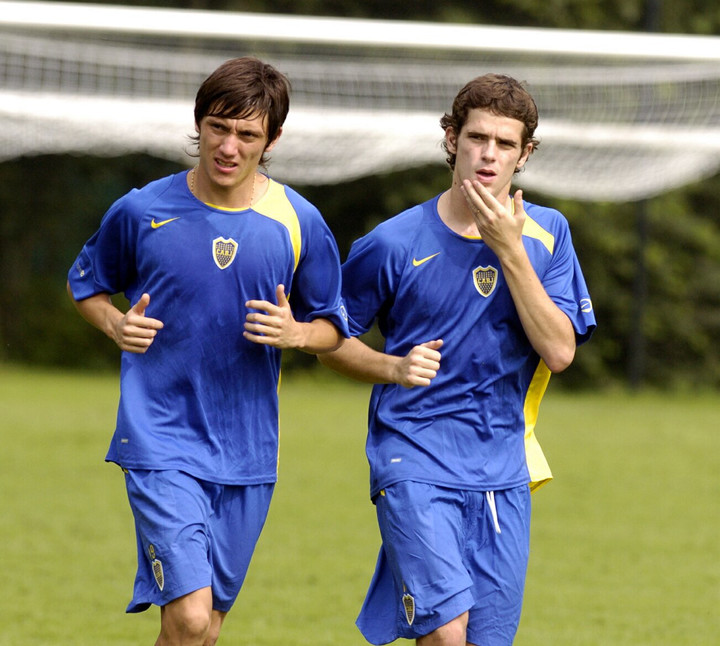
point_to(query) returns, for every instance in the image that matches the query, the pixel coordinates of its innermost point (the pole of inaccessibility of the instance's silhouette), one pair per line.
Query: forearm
(547, 327)
(318, 336)
(99, 311)
(358, 361)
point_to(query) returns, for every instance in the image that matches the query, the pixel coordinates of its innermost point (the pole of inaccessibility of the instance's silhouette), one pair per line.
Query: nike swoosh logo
(417, 263)
(157, 225)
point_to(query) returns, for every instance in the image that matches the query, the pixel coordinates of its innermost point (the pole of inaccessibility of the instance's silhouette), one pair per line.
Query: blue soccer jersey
(203, 399)
(473, 426)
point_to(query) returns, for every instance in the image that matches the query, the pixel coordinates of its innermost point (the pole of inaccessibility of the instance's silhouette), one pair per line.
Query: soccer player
(224, 268)
(480, 297)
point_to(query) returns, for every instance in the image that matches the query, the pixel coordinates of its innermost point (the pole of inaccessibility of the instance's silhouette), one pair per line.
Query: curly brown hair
(502, 95)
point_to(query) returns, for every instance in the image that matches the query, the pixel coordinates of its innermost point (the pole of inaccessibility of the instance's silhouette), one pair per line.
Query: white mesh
(633, 122)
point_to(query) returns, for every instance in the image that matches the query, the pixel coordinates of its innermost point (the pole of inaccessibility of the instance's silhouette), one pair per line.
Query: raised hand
(274, 324)
(500, 226)
(135, 332)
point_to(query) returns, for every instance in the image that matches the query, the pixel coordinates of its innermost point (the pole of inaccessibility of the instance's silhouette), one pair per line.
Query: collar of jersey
(244, 208)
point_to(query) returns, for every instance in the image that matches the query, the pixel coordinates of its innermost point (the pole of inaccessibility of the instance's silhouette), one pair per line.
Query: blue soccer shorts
(192, 534)
(444, 552)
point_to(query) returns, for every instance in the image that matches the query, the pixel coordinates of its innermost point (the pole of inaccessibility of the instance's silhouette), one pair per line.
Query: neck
(219, 197)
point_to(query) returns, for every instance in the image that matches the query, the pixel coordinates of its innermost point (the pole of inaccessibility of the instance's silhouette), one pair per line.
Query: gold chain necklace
(192, 186)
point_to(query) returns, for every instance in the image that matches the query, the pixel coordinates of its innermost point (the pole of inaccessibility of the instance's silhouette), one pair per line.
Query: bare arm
(132, 331)
(357, 360)
(547, 327)
(275, 325)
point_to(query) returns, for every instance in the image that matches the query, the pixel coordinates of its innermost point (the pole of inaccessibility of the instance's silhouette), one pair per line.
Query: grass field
(625, 551)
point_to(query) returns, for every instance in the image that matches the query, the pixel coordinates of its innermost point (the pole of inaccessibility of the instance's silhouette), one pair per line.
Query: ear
(451, 140)
(524, 157)
(271, 145)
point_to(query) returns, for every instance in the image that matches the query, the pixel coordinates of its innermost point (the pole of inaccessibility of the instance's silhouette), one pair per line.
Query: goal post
(623, 116)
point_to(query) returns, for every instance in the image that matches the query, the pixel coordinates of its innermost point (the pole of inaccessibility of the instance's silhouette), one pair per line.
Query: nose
(489, 150)
(228, 145)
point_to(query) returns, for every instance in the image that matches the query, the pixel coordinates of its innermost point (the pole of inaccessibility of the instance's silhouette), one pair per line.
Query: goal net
(622, 116)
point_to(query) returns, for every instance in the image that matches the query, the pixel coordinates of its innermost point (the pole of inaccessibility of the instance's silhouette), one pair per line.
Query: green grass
(625, 540)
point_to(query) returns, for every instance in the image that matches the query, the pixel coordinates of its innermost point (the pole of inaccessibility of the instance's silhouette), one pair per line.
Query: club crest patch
(485, 280)
(409, 605)
(158, 572)
(157, 568)
(224, 250)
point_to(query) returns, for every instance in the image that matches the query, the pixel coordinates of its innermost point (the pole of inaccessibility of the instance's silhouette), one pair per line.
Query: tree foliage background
(52, 204)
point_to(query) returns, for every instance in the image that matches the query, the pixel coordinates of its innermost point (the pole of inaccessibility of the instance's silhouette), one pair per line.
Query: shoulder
(278, 192)
(545, 216)
(391, 242)
(550, 229)
(138, 200)
(401, 229)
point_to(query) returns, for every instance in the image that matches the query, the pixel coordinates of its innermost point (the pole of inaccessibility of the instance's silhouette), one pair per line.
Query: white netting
(634, 122)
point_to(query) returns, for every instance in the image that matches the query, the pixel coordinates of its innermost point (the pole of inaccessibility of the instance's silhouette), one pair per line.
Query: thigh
(171, 512)
(239, 514)
(422, 529)
(497, 558)
(193, 534)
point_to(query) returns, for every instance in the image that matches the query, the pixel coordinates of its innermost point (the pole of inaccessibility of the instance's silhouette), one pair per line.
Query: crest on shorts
(409, 606)
(224, 250)
(485, 280)
(157, 568)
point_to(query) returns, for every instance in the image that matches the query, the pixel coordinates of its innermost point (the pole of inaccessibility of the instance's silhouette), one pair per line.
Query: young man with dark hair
(480, 297)
(224, 268)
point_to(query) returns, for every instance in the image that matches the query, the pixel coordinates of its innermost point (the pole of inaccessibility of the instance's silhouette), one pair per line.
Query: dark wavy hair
(241, 88)
(502, 95)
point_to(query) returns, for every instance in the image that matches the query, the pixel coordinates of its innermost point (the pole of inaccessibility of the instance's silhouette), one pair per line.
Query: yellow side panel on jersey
(275, 205)
(537, 465)
(532, 229)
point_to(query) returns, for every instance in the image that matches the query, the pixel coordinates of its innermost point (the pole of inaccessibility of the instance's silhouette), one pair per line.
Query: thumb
(282, 300)
(141, 305)
(435, 344)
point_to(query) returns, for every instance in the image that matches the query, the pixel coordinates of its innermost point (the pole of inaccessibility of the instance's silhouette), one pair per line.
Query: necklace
(192, 186)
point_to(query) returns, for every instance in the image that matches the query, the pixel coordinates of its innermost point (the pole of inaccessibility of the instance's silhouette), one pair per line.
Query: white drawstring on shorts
(490, 497)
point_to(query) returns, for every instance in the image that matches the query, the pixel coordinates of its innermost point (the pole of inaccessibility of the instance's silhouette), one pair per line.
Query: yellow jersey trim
(532, 229)
(538, 466)
(276, 206)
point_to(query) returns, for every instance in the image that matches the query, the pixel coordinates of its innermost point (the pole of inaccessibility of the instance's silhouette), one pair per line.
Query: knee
(190, 626)
(195, 625)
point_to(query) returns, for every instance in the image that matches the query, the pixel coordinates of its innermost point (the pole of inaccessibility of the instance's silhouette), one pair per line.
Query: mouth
(485, 175)
(225, 166)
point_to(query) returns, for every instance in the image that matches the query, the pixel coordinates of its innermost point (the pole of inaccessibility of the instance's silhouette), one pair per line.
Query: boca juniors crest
(224, 251)
(157, 568)
(409, 606)
(485, 280)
